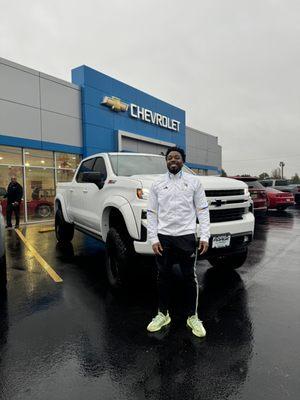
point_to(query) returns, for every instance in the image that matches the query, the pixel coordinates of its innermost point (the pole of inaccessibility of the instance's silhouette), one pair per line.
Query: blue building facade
(112, 110)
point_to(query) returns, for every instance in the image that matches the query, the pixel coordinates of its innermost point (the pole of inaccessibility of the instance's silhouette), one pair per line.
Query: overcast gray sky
(233, 65)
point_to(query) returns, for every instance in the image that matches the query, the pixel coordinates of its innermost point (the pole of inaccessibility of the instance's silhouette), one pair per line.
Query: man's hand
(203, 247)
(157, 248)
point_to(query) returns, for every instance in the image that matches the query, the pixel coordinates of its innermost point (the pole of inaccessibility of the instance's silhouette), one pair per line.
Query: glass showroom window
(6, 172)
(40, 193)
(10, 155)
(37, 171)
(10, 165)
(64, 175)
(66, 165)
(38, 158)
(67, 161)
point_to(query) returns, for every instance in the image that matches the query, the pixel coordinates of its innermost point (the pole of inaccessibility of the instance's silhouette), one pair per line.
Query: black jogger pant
(182, 250)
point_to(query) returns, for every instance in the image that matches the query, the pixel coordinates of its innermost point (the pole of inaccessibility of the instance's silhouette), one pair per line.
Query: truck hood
(208, 182)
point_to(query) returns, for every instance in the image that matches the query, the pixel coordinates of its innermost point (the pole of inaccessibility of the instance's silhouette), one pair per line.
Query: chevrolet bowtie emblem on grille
(218, 203)
(114, 103)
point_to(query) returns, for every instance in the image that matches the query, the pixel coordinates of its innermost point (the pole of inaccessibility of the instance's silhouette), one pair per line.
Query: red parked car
(279, 200)
(35, 208)
(257, 193)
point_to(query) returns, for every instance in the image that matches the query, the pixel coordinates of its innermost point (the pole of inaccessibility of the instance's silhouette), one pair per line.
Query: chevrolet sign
(153, 117)
(144, 114)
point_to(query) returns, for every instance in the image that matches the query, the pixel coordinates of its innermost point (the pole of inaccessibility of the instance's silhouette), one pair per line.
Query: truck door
(78, 193)
(93, 198)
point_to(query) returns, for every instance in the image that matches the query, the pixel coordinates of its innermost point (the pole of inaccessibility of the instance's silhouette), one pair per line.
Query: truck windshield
(135, 164)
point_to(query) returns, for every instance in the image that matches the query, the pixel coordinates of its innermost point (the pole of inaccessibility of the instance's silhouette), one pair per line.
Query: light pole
(281, 164)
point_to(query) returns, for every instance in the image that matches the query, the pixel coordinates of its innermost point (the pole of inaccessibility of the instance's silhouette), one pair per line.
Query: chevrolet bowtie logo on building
(114, 103)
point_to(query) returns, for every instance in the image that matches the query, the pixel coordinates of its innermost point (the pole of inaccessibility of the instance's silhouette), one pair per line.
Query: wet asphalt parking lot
(79, 340)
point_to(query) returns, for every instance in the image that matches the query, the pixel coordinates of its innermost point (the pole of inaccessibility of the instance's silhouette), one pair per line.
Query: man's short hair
(178, 149)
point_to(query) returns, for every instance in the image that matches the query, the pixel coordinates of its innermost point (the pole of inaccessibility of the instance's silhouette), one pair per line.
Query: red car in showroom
(35, 208)
(279, 200)
(257, 193)
(40, 206)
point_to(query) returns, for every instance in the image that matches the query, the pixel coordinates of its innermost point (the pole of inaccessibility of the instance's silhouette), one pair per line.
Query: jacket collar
(173, 177)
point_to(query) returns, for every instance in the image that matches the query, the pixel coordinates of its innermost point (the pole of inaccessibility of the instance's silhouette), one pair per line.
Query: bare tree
(276, 173)
(295, 178)
(264, 175)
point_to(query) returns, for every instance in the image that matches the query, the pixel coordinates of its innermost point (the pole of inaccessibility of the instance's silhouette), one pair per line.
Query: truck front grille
(231, 214)
(221, 193)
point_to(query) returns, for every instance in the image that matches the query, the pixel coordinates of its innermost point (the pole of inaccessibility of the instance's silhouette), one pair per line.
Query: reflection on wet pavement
(79, 339)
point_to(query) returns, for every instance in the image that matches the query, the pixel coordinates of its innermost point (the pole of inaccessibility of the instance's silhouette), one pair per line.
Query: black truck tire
(232, 261)
(119, 252)
(63, 230)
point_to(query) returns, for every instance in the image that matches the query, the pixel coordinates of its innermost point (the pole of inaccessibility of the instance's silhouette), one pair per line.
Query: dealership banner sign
(142, 113)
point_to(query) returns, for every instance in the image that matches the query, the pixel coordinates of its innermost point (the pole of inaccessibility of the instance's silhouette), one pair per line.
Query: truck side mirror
(94, 177)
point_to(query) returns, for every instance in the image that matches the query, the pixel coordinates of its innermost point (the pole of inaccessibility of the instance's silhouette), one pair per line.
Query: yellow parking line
(49, 229)
(40, 259)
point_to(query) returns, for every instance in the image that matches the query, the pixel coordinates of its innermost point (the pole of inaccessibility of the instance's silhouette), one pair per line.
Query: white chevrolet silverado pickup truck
(107, 199)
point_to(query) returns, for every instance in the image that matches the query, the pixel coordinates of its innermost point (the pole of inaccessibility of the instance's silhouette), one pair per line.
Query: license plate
(288, 199)
(220, 241)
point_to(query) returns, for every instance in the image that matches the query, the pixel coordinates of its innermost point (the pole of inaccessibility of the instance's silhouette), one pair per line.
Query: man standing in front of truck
(175, 201)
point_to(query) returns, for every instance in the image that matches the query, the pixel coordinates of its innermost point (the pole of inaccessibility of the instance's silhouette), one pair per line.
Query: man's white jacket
(174, 203)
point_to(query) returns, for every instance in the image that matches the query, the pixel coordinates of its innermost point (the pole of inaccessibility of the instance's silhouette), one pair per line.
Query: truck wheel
(64, 232)
(118, 256)
(232, 261)
(2, 271)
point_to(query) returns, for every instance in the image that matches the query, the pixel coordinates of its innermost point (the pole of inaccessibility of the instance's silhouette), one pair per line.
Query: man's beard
(174, 169)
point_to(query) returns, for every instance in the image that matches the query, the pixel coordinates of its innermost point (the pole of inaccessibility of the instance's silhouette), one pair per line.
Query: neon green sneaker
(158, 322)
(196, 325)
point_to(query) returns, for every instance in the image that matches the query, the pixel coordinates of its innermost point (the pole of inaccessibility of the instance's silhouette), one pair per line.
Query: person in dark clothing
(14, 196)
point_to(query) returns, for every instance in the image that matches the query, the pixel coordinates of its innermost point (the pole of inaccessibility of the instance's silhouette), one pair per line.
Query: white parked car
(107, 199)
(2, 251)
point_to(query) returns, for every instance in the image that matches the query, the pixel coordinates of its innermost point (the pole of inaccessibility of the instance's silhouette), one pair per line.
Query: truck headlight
(142, 194)
(246, 192)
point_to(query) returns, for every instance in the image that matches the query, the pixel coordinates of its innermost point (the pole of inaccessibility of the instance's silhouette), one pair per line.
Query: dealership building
(47, 125)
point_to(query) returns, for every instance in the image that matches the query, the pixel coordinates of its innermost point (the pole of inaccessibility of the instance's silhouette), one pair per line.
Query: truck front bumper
(241, 232)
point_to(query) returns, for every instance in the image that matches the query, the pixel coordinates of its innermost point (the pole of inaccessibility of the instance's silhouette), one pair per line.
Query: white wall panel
(61, 129)
(60, 98)
(19, 86)
(202, 148)
(19, 121)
